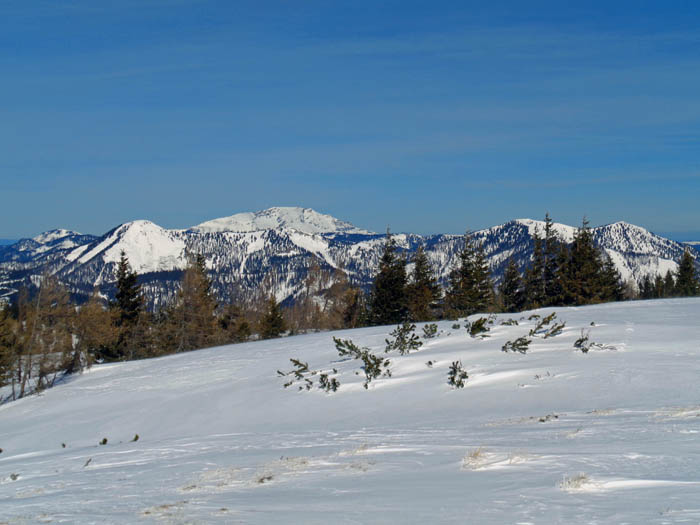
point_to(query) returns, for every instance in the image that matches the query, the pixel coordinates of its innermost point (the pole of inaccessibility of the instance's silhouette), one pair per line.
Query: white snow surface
(302, 219)
(148, 247)
(53, 235)
(551, 436)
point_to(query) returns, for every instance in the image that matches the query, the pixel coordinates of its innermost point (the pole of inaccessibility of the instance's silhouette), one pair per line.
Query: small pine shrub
(520, 345)
(555, 329)
(104, 441)
(583, 343)
(404, 340)
(374, 367)
(456, 326)
(479, 327)
(456, 375)
(328, 384)
(136, 438)
(430, 331)
(509, 322)
(346, 348)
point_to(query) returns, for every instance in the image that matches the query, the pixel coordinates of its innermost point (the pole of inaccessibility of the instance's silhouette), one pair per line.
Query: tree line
(45, 337)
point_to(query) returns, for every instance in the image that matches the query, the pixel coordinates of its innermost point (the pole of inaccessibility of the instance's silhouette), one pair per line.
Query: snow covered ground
(551, 436)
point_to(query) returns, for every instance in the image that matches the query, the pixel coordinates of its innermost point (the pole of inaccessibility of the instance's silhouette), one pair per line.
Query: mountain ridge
(279, 247)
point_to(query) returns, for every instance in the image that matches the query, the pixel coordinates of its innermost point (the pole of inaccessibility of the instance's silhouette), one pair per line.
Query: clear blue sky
(425, 116)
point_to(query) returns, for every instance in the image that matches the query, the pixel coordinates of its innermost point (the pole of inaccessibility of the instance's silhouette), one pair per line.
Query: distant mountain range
(275, 248)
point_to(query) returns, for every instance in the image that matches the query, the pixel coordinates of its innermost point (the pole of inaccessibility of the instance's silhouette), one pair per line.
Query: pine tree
(470, 289)
(610, 282)
(423, 290)
(388, 298)
(669, 285)
(550, 266)
(511, 289)
(272, 323)
(535, 293)
(580, 275)
(687, 283)
(128, 305)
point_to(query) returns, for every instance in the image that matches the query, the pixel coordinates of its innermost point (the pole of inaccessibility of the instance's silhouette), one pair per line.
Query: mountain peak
(53, 235)
(280, 217)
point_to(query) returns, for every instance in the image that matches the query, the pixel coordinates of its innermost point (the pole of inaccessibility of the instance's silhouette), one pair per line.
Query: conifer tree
(669, 285)
(128, 305)
(128, 299)
(534, 276)
(579, 276)
(388, 298)
(272, 323)
(470, 289)
(423, 290)
(550, 265)
(687, 283)
(611, 286)
(511, 289)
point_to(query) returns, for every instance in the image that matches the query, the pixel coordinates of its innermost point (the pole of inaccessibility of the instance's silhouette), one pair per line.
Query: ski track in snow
(552, 436)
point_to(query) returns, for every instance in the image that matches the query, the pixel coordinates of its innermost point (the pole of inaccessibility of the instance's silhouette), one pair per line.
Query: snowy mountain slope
(551, 436)
(302, 219)
(279, 246)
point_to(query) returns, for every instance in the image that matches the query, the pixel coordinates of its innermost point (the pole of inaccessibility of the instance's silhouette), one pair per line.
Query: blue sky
(424, 116)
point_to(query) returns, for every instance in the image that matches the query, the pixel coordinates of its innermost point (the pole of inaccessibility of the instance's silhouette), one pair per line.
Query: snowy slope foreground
(280, 245)
(550, 436)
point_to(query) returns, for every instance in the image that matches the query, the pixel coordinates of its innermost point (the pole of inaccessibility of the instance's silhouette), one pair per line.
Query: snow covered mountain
(304, 220)
(279, 246)
(550, 436)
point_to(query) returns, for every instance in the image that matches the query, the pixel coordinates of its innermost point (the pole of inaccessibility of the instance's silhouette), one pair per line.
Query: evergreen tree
(687, 283)
(659, 287)
(580, 275)
(535, 291)
(646, 289)
(550, 265)
(128, 299)
(511, 289)
(272, 323)
(423, 290)
(669, 285)
(610, 282)
(388, 298)
(128, 305)
(470, 289)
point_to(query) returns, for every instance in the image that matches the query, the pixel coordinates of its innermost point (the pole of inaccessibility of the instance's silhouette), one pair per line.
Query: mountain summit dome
(304, 220)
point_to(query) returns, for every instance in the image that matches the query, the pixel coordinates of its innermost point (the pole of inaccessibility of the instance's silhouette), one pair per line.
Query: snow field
(551, 436)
